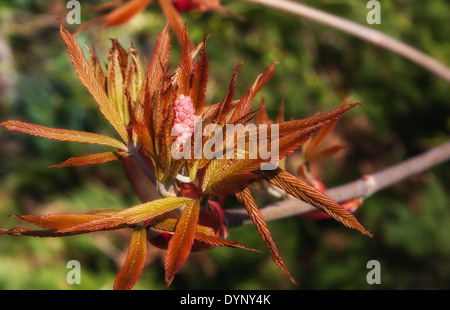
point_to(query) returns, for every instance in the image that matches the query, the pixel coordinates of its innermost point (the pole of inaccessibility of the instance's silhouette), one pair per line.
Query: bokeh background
(406, 111)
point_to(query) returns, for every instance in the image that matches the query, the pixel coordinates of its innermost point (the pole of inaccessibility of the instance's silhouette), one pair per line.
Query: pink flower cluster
(183, 125)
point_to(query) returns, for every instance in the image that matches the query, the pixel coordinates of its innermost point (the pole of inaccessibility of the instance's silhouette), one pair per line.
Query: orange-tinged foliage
(181, 243)
(245, 197)
(188, 213)
(123, 13)
(134, 262)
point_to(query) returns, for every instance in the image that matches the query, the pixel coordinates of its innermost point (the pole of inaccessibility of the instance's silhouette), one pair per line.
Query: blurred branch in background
(8, 74)
(24, 23)
(376, 37)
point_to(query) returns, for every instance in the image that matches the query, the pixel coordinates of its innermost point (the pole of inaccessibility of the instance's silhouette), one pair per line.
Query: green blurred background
(406, 111)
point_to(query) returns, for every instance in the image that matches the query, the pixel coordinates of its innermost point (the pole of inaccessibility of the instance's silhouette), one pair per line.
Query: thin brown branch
(374, 36)
(361, 188)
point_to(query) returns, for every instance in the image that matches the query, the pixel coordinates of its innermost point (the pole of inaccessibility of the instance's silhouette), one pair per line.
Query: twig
(362, 188)
(374, 36)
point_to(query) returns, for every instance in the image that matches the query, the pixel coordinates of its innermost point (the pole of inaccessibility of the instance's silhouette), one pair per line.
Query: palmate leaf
(62, 134)
(246, 199)
(89, 80)
(134, 262)
(303, 191)
(292, 134)
(238, 173)
(181, 242)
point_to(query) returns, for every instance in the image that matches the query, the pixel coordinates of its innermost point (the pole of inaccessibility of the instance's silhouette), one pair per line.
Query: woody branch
(373, 36)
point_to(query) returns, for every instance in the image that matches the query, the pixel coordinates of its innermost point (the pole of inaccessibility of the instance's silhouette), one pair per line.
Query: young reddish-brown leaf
(93, 159)
(53, 222)
(245, 103)
(42, 233)
(158, 63)
(164, 120)
(217, 182)
(313, 144)
(174, 19)
(134, 77)
(205, 237)
(303, 191)
(238, 173)
(89, 80)
(160, 121)
(212, 241)
(64, 221)
(350, 205)
(246, 199)
(181, 242)
(133, 215)
(291, 142)
(200, 80)
(214, 166)
(323, 153)
(288, 127)
(310, 149)
(230, 185)
(292, 134)
(223, 107)
(62, 134)
(118, 16)
(185, 69)
(261, 116)
(141, 127)
(134, 262)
